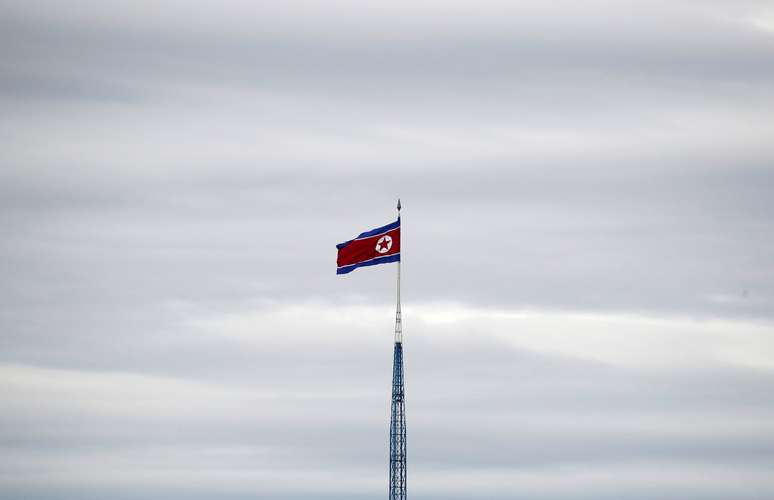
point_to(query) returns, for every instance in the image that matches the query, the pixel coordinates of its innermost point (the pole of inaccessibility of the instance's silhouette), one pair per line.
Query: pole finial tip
(398, 204)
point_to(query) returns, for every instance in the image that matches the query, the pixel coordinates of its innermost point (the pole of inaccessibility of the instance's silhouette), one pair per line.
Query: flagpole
(397, 487)
(398, 322)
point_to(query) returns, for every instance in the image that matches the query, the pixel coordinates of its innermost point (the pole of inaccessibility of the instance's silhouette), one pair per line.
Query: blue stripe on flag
(372, 262)
(372, 232)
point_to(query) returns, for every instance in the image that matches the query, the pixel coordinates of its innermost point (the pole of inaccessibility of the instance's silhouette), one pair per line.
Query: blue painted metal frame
(398, 429)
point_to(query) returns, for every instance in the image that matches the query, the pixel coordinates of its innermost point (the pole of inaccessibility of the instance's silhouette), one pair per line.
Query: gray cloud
(587, 227)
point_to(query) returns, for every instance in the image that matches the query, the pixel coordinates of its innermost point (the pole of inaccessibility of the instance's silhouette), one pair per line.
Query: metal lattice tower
(398, 413)
(398, 429)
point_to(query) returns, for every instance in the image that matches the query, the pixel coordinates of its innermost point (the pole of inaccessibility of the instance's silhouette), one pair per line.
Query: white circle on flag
(384, 244)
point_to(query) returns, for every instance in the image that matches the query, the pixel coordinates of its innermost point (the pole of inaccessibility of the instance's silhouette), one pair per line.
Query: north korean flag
(377, 246)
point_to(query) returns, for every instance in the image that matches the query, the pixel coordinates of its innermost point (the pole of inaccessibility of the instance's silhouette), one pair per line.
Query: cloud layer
(587, 228)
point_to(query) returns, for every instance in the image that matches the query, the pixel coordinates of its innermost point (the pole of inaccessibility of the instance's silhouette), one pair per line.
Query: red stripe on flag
(358, 251)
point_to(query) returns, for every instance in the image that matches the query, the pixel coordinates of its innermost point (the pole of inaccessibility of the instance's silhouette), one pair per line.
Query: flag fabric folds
(377, 246)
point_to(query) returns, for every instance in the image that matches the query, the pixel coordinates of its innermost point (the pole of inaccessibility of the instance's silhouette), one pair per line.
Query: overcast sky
(588, 243)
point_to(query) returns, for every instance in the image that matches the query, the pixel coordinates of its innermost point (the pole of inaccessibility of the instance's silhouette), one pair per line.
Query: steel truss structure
(398, 429)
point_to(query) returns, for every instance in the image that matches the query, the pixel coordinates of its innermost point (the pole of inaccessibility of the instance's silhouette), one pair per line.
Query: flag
(377, 246)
